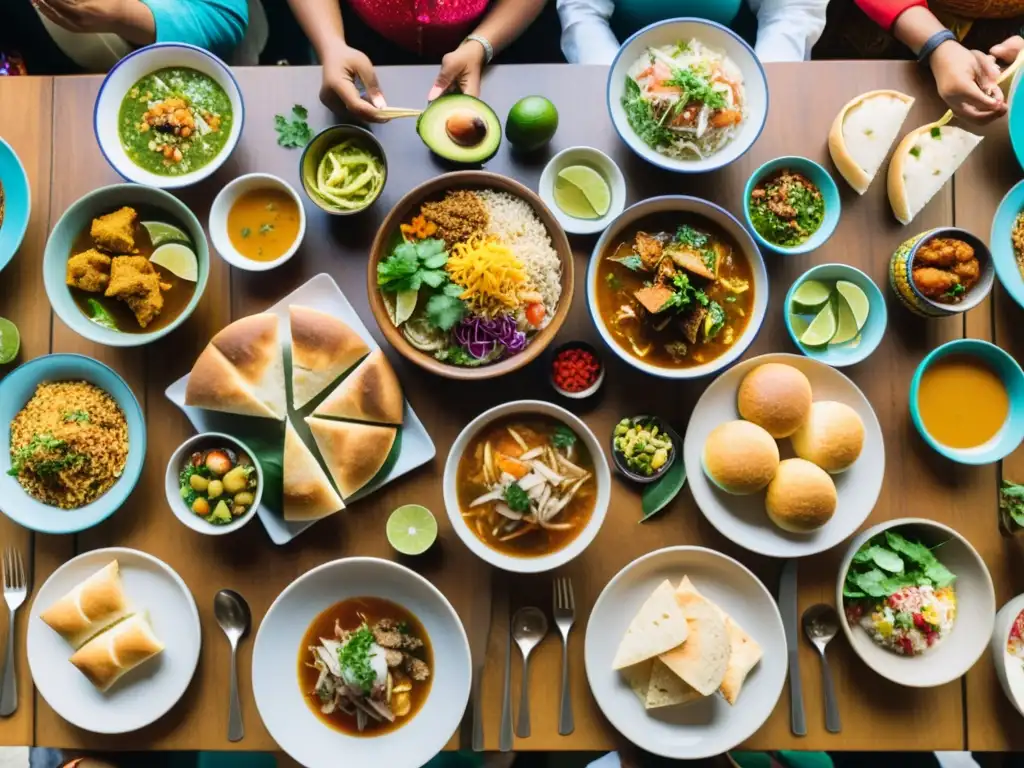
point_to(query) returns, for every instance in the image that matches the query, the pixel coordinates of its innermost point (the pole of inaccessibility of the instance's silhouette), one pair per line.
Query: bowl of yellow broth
(257, 222)
(967, 401)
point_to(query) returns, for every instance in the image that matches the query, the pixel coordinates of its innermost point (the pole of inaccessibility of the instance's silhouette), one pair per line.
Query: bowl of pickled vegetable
(214, 483)
(644, 447)
(343, 169)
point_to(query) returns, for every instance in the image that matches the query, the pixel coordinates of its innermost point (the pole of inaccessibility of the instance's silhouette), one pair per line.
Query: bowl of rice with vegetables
(470, 276)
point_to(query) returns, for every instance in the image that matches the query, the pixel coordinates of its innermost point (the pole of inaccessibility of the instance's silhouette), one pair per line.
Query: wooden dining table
(48, 122)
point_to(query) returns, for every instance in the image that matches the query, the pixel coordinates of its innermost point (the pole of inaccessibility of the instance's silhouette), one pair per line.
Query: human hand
(966, 81)
(461, 67)
(1008, 50)
(341, 66)
(85, 15)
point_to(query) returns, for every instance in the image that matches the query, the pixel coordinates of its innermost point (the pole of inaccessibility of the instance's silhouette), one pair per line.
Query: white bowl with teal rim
(107, 119)
(601, 163)
(1009, 668)
(872, 332)
(1011, 434)
(1004, 258)
(16, 389)
(902, 281)
(97, 203)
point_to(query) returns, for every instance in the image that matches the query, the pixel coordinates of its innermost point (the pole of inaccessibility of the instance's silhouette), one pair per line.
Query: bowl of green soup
(168, 115)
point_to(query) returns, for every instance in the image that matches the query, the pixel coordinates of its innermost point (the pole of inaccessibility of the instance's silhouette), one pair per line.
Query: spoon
(529, 625)
(234, 617)
(821, 623)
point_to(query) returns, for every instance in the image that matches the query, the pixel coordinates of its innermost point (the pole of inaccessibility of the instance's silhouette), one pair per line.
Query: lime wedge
(10, 341)
(178, 259)
(822, 328)
(846, 323)
(811, 295)
(405, 305)
(856, 299)
(160, 232)
(591, 184)
(412, 529)
(799, 324)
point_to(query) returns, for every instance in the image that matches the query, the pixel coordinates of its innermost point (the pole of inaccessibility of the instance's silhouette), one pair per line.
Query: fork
(15, 591)
(565, 615)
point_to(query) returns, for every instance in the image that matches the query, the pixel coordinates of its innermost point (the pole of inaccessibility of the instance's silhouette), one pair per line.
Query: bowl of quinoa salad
(1008, 650)
(917, 601)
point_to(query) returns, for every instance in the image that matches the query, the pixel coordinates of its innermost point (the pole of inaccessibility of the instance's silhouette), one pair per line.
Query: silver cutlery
(790, 621)
(529, 626)
(821, 624)
(15, 592)
(234, 617)
(505, 739)
(565, 616)
(480, 633)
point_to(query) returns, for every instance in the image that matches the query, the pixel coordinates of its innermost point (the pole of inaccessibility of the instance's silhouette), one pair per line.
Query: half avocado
(460, 128)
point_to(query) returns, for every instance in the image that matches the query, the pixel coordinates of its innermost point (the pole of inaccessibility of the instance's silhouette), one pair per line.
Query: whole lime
(531, 123)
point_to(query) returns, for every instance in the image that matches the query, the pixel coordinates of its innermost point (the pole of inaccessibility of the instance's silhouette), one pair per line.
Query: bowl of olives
(643, 448)
(213, 483)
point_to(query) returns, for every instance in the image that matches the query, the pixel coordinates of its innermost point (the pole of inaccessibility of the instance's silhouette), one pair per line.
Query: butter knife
(791, 622)
(479, 636)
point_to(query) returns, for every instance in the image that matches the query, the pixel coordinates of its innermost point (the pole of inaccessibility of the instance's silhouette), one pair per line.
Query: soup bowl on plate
(505, 492)
(701, 244)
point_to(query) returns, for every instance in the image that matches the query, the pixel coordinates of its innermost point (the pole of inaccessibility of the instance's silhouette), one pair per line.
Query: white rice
(514, 223)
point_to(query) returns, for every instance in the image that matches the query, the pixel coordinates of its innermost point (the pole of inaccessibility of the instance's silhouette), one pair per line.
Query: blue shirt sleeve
(216, 25)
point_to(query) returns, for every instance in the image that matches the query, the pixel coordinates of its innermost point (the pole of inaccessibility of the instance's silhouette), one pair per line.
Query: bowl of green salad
(791, 205)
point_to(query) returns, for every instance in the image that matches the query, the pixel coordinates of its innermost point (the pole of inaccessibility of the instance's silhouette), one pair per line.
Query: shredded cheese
(489, 273)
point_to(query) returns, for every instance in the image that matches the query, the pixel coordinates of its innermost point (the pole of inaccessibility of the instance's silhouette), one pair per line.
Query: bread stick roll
(93, 605)
(107, 657)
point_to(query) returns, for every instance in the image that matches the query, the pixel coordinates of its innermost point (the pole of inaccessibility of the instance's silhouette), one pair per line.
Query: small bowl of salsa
(257, 222)
(791, 205)
(967, 401)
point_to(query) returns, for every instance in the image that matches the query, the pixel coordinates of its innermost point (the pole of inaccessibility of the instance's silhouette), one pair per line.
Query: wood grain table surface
(48, 123)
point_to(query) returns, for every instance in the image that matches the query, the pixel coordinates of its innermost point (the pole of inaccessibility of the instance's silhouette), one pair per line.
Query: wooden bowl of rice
(554, 285)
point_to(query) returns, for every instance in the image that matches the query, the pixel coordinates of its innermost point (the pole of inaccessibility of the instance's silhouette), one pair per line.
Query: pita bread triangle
(666, 689)
(323, 348)
(371, 393)
(252, 345)
(308, 494)
(215, 384)
(658, 626)
(702, 660)
(353, 453)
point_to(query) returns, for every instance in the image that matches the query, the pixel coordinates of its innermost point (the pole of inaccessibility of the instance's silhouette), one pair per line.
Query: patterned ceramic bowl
(902, 281)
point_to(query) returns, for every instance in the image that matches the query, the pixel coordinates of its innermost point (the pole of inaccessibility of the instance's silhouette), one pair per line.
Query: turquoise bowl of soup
(161, 222)
(814, 197)
(15, 203)
(168, 115)
(967, 401)
(1007, 258)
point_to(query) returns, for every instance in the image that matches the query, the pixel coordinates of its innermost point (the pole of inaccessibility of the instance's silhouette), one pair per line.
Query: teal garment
(631, 15)
(216, 25)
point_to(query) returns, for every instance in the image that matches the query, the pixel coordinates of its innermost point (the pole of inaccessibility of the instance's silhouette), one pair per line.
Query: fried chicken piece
(89, 271)
(943, 252)
(968, 271)
(135, 281)
(933, 283)
(115, 232)
(386, 637)
(392, 657)
(416, 668)
(649, 249)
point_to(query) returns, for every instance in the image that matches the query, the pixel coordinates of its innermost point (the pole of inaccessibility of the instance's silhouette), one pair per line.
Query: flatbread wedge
(702, 660)
(353, 453)
(215, 384)
(666, 689)
(658, 626)
(323, 348)
(864, 131)
(371, 393)
(308, 494)
(638, 677)
(252, 345)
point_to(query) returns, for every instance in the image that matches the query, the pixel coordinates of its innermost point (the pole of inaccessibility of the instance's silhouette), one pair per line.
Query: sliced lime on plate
(822, 328)
(856, 300)
(591, 184)
(846, 323)
(10, 341)
(811, 295)
(160, 232)
(412, 529)
(178, 259)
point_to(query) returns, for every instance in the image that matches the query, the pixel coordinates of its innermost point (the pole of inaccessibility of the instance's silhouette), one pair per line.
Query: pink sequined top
(423, 26)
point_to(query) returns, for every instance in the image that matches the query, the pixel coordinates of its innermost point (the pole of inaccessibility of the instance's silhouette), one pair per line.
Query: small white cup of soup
(257, 222)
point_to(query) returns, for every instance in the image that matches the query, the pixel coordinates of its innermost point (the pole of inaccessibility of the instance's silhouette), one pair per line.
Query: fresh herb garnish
(354, 657)
(75, 416)
(516, 498)
(640, 116)
(714, 322)
(956, 290)
(1011, 501)
(563, 437)
(890, 562)
(694, 238)
(915, 151)
(613, 281)
(444, 311)
(99, 315)
(456, 355)
(685, 296)
(632, 262)
(936, 132)
(696, 86)
(410, 265)
(265, 228)
(246, 231)
(24, 457)
(293, 132)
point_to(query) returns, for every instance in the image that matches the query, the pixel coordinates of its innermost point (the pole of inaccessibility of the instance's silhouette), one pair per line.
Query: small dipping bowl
(818, 176)
(318, 147)
(580, 345)
(203, 442)
(871, 334)
(620, 460)
(1010, 434)
(601, 163)
(222, 204)
(902, 280)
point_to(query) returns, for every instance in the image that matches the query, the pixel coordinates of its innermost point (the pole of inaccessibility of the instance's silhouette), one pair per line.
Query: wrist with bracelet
(484, 43)
(932, 44)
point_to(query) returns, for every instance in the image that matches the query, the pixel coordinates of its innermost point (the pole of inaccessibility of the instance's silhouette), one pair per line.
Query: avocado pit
(465, 128)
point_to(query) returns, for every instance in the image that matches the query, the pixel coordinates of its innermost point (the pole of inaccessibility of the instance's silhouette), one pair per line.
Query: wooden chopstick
(396, 112)
(1005, 75)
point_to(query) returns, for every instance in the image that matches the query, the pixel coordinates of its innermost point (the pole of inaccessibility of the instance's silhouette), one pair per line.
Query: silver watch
(488, 48)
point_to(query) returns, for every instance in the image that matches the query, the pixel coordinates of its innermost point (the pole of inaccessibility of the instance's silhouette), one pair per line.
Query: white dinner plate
(743, 519)
(415, 446)
(711, 726)
(146, 693)
(282, 703)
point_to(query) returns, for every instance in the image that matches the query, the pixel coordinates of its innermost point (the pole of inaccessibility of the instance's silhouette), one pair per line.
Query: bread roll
(832, 437)
(863, 132)
(801, 497)
(107, 657)
(90, 607)
(323, 348)
(371, 392)
(775, 396)
(740, 457)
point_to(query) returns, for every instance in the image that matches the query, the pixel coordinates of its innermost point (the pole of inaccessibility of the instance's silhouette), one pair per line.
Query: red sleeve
(885, 12)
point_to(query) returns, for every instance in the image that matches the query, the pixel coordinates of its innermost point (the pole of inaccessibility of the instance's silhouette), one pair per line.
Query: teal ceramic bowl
(76, 218)
(818, 176)
(871, 335)
(1015, 119)
(1003, 257)
(16, 389)
(1012, 433)
(17, 203)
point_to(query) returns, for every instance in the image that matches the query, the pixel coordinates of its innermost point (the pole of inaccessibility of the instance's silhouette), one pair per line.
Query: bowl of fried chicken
(942, 272)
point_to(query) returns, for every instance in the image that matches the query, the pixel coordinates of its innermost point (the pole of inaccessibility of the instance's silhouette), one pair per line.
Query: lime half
(811, 295)
(846, 323)
(160, 232)
(405, 305)
(591, 184)
(412, 529)
(178, 259)
(822, 328)
(10, 341)
(856, 299)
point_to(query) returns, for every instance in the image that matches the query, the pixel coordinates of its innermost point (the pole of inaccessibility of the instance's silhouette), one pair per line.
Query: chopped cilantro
(444, 311)
(293, 132)
(516, 498)
(72, 416)
(563, 437)
(1011, 501)
(354, 657)
(246, 231)
(613, 281)
(694, 238)
(265, 228)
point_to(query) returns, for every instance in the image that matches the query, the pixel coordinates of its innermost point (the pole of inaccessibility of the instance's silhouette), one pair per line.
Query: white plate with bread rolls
(113, 640)
(784, 455)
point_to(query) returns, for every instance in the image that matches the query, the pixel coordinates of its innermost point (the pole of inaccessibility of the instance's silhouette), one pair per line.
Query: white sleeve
(587, 37)
(788, 29)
